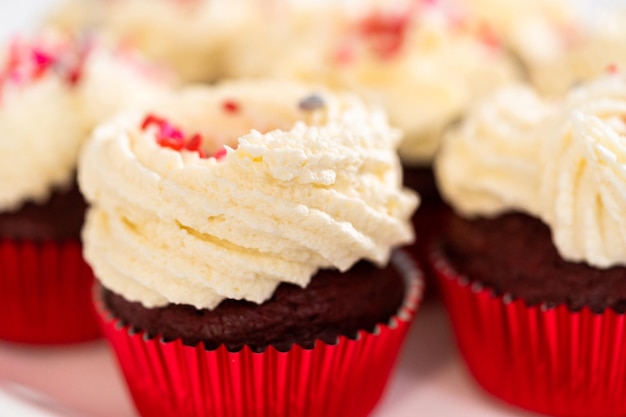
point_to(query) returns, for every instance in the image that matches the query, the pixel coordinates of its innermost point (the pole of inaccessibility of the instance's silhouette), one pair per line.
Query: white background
(430, 380)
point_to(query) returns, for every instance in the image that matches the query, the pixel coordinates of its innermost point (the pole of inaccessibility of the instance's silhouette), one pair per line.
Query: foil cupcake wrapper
(45, 293)
(170, 379)
(549, 360)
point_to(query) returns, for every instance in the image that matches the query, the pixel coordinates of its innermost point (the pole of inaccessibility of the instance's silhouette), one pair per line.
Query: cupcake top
(514, 20)
(423, 61)
(49, 101)
(576, 186)
(227, 191)
(41, 127)
(189, 36)
(490, 163)
(561, 49)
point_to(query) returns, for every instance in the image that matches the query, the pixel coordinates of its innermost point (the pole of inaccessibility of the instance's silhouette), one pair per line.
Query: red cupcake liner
(168, 379)
(45, 293)
(550, 360)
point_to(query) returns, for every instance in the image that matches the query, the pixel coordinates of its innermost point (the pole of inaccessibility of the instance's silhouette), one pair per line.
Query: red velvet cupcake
(533, 267)
(49, 100)
(229, 261)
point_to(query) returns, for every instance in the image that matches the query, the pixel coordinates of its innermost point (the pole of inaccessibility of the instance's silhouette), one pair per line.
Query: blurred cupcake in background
(188, 36)
(532, 266)
(558, 42)
(424, 62)
(47, 82)
(243, 238)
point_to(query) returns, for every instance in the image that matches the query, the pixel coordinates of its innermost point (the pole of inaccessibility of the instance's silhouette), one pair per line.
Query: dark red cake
(514, 255)
(59, 218)
(333, 304)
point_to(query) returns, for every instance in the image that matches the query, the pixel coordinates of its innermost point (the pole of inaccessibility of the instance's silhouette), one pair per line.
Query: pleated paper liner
(45, 293)
(168, 379)
(549, 360)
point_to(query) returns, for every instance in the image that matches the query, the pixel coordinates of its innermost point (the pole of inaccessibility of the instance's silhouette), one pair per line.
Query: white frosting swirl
(321, 190)
(41, 136)
(53, 91)
(490, 163)
(558, 54)
(576, 153)
(582, 194)
(115, 79)
(189, 36)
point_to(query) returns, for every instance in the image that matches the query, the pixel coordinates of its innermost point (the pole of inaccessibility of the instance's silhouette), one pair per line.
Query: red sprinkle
(488, 36)
(30, 60)
(169, 136)
(230, 106)
(385, 33)
(612, 69)
(220, 153)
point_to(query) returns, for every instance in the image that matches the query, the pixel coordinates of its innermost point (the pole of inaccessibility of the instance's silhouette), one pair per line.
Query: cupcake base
(44, 293)
(344, 378)
(554, 361)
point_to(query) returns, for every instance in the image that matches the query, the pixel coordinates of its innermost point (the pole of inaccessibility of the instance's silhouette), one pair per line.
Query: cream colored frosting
(41, 136)
(577, 152)
(306, 190)
(115, 79)
(490, 163)
(582, 193)
(42, 129)
(559, 54)
(510, 16)
(45, 118)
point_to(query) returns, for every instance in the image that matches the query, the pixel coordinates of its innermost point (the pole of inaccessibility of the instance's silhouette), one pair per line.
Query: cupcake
(243, 238)
(187, 36)
(532, 266)
(557, 42)
(44, 282)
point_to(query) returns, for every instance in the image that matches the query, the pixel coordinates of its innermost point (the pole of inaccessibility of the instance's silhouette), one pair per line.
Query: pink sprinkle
(488, 36)
(344, 54)
(612, 69)
(169, 136)
(41, 58)
(385, 33)
(220, 153)
(230, 106)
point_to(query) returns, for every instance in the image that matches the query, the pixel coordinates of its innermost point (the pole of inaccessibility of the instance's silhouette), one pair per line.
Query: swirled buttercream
(582, 194)
(318, 185)
(490, 163)
(53, 90)
(568, 168)
(42, 129)
(188, 36)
